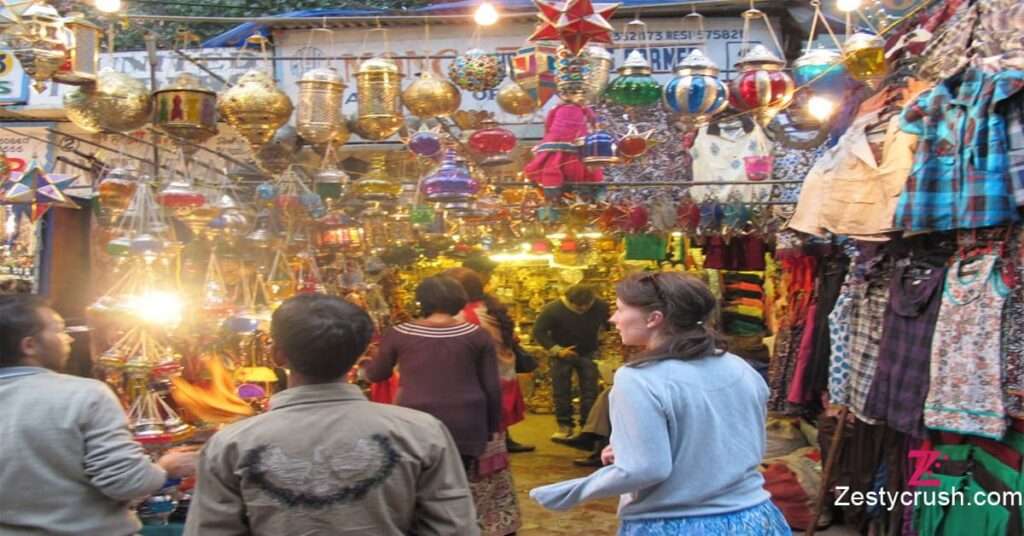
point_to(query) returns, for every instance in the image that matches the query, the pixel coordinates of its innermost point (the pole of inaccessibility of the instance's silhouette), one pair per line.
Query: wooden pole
(834, 451)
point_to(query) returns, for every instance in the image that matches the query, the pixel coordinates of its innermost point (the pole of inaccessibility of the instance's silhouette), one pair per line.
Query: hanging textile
(732, 151)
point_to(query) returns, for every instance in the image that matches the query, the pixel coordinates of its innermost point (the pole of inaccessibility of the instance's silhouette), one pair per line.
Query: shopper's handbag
(525, 362)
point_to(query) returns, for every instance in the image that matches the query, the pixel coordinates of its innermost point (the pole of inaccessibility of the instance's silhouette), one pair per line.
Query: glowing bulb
(485, 15)
(156, 307)
(848, 5)
(108, 6)
(820, 108)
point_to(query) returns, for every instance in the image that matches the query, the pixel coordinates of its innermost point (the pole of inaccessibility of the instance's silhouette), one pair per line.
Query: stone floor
(553, 463)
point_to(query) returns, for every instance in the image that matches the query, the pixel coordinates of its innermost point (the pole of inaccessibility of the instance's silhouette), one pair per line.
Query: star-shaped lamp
(35, 192)
(575, 23)
(634, 144)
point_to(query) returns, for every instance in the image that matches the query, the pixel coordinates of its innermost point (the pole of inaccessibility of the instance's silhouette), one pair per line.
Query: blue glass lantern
(599, 147)
(696, 93)
(823, 71)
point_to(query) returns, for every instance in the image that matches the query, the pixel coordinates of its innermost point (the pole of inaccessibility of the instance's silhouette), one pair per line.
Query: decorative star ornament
(34, 192)
(575, 23)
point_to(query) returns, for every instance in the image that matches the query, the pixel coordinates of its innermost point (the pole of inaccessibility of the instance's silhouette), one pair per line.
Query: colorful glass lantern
(822, 70)
(696, 93)
(477, 70)
(117, 188)
(82, 56)
(572, 76)
(186, 110)
(330, 182)
(430, 96)
(494, 142)
(761, 84)
(425, 143)
(38, 43)
(599, 147)
(864, 56)
(379, 105)
(599, 70)
(534, 70)
(255, 107)
(180, 195)
(451, 183)
(319, 111)
(634, 86)
(377, 185)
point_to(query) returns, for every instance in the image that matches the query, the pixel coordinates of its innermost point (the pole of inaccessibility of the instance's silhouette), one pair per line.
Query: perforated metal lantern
(117, 102)
(430, 96)
(761, 84)
(186, 110)
(82, 57)
(696, 93)
(321, 93)
(379, 106)
(255, 107)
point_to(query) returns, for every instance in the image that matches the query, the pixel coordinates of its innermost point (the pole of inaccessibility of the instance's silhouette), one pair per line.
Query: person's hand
(608, 455)
(567, 352)
(180, 462)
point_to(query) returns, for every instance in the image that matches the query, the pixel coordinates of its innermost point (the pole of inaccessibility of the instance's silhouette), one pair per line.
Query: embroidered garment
(1014, 345)
(724, 152)
(901, 381)
(959, 180)
(965, 382)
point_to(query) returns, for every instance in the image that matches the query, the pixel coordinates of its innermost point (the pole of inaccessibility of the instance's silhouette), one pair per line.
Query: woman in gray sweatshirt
(688, 423)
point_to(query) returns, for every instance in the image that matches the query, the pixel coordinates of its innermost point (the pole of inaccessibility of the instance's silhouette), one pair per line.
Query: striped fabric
(436, 333)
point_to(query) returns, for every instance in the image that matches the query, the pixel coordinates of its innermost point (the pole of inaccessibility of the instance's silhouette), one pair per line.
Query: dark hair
(480, 264)
(321, 335)
(687, 304)
(474, 288)
(19, 318)
(580, 295)
(442, 294)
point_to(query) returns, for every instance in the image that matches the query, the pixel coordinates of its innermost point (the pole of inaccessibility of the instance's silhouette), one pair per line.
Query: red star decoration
(575, 23)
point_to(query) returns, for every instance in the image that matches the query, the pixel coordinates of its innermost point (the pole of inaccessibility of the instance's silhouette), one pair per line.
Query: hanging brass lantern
(38, 43)
(83, 42)
(599, 62)
(276, 155)
(513, 99)
(117, 102)
(186, 110)
(255, 107)
(377, 185)
(319, 111)
(430, 96)
(379, 106)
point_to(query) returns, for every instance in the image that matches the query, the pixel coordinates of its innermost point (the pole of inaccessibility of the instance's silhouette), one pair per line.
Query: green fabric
(956, 453)
(1016, 441)
(645, 247)
(974, 520)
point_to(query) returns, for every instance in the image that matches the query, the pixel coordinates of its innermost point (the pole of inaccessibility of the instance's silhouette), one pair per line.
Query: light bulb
(108, 6)
(820, 108)
(485, 15)
(848, 5)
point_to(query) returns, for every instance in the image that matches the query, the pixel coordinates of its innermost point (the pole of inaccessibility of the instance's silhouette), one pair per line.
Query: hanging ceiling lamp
(762, 85)
(696, 93)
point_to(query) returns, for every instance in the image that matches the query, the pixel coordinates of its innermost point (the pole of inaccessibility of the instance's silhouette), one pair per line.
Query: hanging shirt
(901, 381)
(1012, 110)
(724, 152)
(839, 335)
(959, 179)
(868, 296)
(965, 382)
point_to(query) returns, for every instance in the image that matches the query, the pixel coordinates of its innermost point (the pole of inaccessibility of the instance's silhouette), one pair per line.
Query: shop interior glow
(485, 15)
(848, 5)
(157, 307)
(108, 6)
(820, 108)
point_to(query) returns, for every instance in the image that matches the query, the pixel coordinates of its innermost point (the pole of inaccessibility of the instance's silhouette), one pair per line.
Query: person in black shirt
(569, 329)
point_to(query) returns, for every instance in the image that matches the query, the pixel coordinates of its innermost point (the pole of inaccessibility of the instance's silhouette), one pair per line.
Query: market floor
(552, 462)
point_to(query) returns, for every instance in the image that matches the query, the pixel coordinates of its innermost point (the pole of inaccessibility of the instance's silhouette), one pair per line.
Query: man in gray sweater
(70, 465)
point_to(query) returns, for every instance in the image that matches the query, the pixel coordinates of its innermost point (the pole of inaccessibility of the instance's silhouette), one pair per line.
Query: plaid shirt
(959, 179)
(945, 54)
(1013, 111)
(867, 313)
(901, 381)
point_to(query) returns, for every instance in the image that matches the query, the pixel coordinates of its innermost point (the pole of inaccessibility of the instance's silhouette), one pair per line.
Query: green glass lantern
(634, 86)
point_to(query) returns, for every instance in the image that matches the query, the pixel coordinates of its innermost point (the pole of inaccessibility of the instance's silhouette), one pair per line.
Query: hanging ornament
(534, 71)
(277, 154)
(494, 143)
(318, 114)
(37, 42)
(761, 85)
(11, 13)
(37, 191)
(598, 72)
(429, 96)
(574, 22)
(377, 185)
(180, 195)
(330, 182)
(821, 70)
(599, 148)
(513, 99)
(634, 86)
(117, 102)
(864, 56)
(425, 142)
(696, 93)
(255, 107)
(379, 103)
(572, 76)
(477, 70)
(186, 110)
(634, 143)
(451, 183)
(261, 236)
(82, 39)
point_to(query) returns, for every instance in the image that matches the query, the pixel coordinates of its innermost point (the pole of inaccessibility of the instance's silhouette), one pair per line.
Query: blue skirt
(761, 520)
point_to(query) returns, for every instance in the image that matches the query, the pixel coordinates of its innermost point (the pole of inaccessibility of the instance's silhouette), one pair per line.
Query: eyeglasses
(653, 279)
